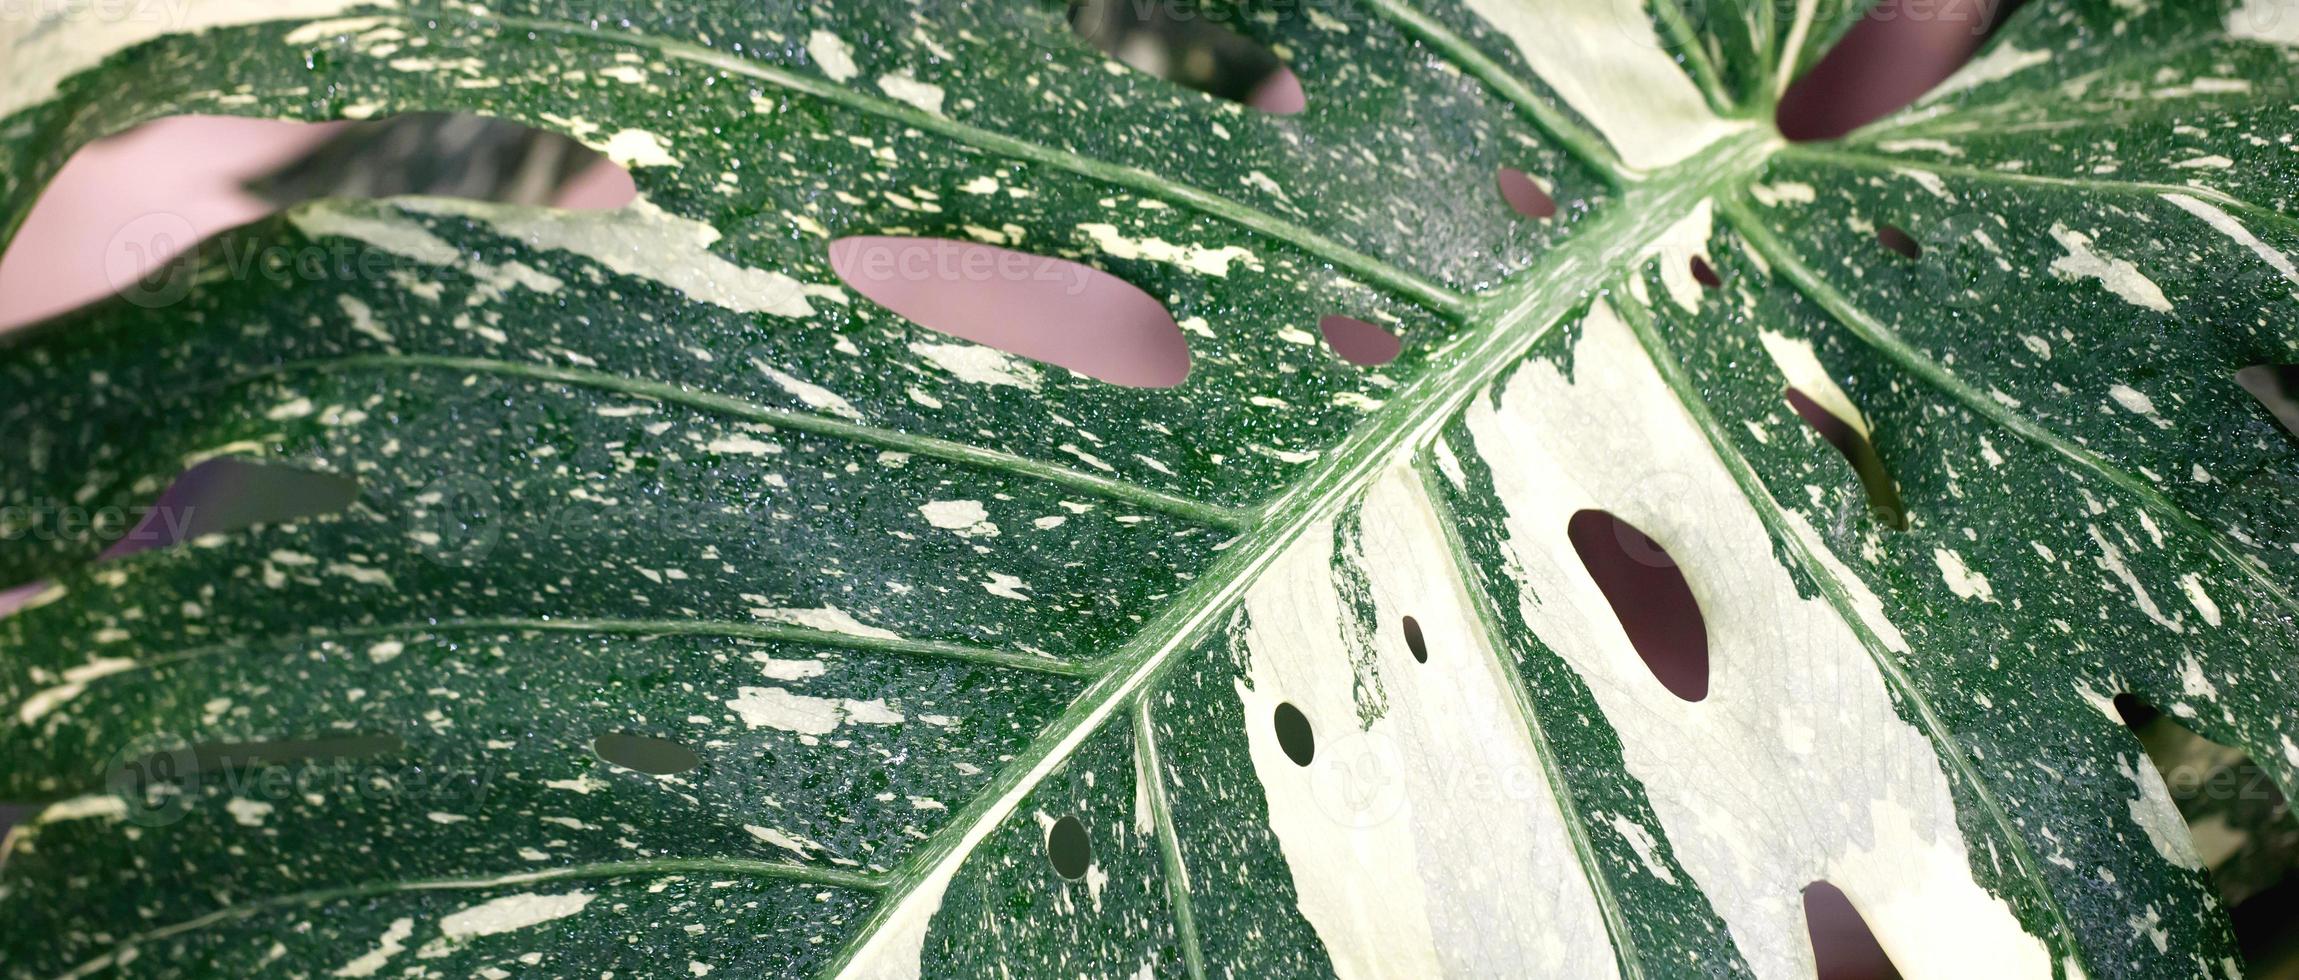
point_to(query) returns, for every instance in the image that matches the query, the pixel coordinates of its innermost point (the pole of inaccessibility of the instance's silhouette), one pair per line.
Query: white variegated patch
(1428, 842)
(1795, 698)
(1605, 60)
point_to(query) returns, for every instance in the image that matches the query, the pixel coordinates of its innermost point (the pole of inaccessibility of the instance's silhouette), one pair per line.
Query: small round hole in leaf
(1705, 274)
(1524, 194)
(1899, 241)
(1414, 642)
(646, 753)
(1069, 849)
(1359, 342)
(1294, 735)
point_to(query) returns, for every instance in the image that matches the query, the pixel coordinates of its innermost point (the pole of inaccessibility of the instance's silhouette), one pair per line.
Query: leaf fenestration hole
(1053, 310)
(1524, 194)
(1899, 51)
(1898, 241)
(225, 495)
(190, 763)
(1294, 734)
(1188, 48)
(1705, 274)
(1414, 640)
(2276, 386)
(218, 496)
(1649, 596)
(1883, 494)
(1360, 343)
(1068, 848)
(2235, 816)
(646, 753)
(1842, 944)
(140, 201)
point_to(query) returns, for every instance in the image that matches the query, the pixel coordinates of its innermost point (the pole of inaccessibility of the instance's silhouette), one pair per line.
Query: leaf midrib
(1515, 318)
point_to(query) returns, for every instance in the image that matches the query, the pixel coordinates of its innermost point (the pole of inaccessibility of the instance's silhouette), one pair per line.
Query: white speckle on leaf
(976, 364)
(248, 813)
(392, 943)
(828, 618)
(512, 912)
(1641, 841)
(1961, 580)
(1999, 62)
(1006, 587)
(2226, 224)
(2156, 815)
(831, 54)
(2119, 276)
(902, 87)
(2193, 585)
(814, 396)
(644, 242)
(781, 709)
(1196, 258)
(638, 148)
(741, 445)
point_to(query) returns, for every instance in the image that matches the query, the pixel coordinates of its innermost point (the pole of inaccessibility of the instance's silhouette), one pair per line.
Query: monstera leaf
(698, 616)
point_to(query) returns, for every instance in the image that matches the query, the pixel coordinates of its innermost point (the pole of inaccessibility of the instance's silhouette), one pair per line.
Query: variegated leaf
(991, 668)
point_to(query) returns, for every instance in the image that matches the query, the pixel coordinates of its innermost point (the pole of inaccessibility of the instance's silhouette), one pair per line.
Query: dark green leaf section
(1242, 897)
(627, 920)
(471, 796)
(1012, 913)
(2107, 100)
(1998, 304)
(2018, 679)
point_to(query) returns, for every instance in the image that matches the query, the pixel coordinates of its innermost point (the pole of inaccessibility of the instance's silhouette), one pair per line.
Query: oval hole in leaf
(1887, 60)
(1294, 734)
(1414, 641)
(1842, 944)
(1046, 309)
(225, 495)
(1188, 47)
(1359, 342)
(1705, 274)
(15, 598)
(1524, 194)
(139, 200)
(218, 496)
(190, 762)
(2220, 788)
(1883, 494)
(1069, 849)
(1898, 240)
(646, 753)
(1649, 595)
(2276, 386)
